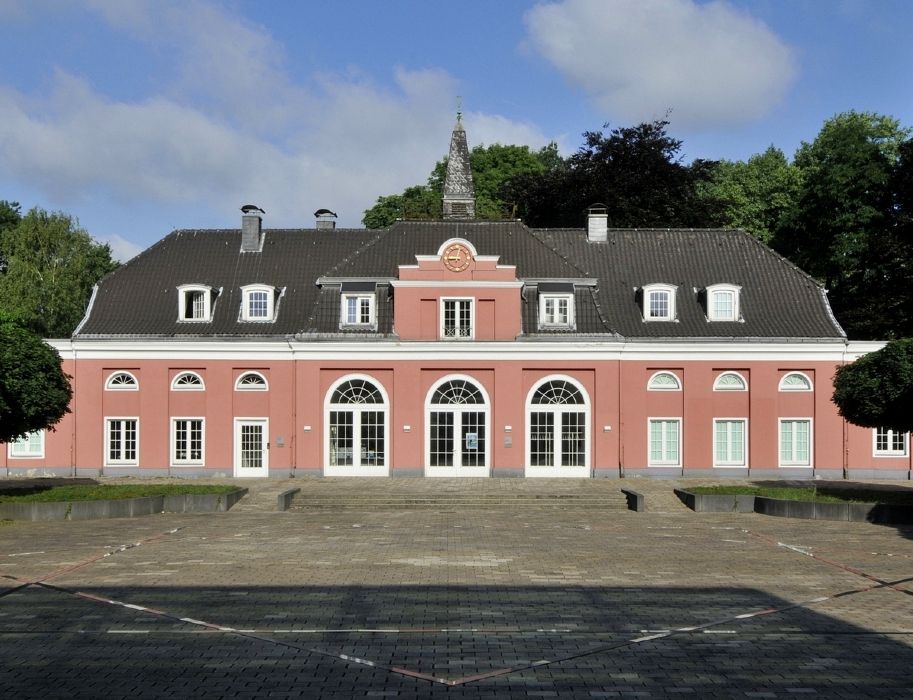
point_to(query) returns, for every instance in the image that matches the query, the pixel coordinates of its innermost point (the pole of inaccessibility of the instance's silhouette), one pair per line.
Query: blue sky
(141, 116)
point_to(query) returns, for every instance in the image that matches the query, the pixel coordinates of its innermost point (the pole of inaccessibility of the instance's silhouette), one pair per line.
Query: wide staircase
(456, 494)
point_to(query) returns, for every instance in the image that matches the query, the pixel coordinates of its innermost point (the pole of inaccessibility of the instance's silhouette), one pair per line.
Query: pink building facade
(458, 348)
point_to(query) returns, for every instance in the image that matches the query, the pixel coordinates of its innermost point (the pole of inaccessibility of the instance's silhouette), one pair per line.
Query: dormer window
(257, 302)
(194, 303)
(659, 302)
(723, 302)
(357, 305)
(556, 305)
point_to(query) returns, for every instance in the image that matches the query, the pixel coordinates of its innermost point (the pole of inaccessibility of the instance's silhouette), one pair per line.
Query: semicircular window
(357, 391)
(664, 381)
(458, 391)
(251, 381)
(557, 391)
(795, 381)
(729, 381)
(188, 381)
(122, 381)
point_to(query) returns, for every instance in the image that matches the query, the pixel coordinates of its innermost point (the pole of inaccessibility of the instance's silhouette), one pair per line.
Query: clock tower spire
(459, 192)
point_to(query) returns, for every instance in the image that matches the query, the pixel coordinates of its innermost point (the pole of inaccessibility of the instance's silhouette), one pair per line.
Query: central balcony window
(456, 319)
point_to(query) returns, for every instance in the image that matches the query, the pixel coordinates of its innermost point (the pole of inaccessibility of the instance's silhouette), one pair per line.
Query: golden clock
(457, 257)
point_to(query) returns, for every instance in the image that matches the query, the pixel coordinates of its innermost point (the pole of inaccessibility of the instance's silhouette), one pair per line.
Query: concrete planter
(121, 507)
(714, 503)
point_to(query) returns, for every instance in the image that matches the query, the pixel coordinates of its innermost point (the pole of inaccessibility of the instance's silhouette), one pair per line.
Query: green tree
(491, 166)
(758, 194)
(841, 227)
(635, 171)
(34, 391)
(51, 266)
(876, 391)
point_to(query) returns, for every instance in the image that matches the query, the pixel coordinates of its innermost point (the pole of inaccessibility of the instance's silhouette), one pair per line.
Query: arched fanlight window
(664, 381)
(121, 381)
(187, 381)
(557, 437)
(457, 391)
(251, 381)
(795, 381)
(730, 381)
(357, 391)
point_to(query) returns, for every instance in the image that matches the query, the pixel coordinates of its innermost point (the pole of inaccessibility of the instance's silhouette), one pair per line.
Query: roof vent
(251, 228)
(325, 218)
(597, 222)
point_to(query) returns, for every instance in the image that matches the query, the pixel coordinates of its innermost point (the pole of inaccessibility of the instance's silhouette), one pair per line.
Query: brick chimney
(251, 228)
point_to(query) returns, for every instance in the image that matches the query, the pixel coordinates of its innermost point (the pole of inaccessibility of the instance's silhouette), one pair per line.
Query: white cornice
(391, 351)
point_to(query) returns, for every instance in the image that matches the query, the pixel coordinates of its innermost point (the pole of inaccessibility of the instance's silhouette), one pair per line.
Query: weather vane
(459, 107)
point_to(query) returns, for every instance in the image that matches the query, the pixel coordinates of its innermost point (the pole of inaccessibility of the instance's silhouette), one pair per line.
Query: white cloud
(338, 142)
(710, 63)
(122, 250)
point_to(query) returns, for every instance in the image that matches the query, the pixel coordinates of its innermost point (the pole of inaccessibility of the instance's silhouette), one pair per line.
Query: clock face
(457, 257)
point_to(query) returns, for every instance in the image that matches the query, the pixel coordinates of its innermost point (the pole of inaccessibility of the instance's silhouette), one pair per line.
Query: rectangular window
(795, 442)
(358, 310)
(729, 442)
(665, 442)
(30, 446)
(258, 305)
(723, 306)
(457, 321)
(889, 443)
(121, 441)
(187, 441)
(556, 310)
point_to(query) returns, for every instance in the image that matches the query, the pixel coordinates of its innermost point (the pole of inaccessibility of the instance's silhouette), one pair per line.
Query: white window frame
(186, 289)
(729, 373)
(344, 321)
(732, 289)
(15, 451)
(188, 462)
(252, 387)
(328, 407)
(811, 442)
(670, 290)
(108, 462)
(544, 300)
(110, 386)
(247, 292)
(175, 386)
(663, 372)
(558, 408)
(472, 318)
(484, 408)
(664, 462)
(783, 387)
(731, 463)
(889, 436)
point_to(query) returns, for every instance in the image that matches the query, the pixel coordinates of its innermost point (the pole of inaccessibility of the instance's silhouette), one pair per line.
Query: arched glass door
(457, 420)
(356, 423)
(557, 427)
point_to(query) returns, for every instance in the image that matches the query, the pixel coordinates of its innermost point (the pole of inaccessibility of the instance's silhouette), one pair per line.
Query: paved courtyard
(517, 602)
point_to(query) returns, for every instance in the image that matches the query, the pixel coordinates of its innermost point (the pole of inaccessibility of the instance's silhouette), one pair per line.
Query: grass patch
(99, 492)
(902, 496)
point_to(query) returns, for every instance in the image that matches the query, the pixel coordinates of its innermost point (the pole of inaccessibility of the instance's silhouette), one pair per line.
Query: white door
(251, 447)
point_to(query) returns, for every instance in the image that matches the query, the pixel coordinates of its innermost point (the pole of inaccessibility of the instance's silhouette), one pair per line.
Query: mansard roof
(307, 266)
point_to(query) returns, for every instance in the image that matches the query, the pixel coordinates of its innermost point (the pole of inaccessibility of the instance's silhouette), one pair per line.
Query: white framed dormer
(457, 318)
(795, 381)
(556, 306)
(195, 303)
(723, 303)
(187, 381)
(659, 302)
(357, 310)
(251, 381)
(121, 381)
(664, 381)
(258, 303)
(730, 381)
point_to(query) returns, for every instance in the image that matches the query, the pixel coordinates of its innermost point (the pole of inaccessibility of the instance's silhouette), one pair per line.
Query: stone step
(390, 502)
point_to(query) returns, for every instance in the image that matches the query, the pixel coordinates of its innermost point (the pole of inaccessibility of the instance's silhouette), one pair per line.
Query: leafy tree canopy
(876, 391)
(491, 166)
(757, 194)
(50, 268)
(635, 171)
(34, 391)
